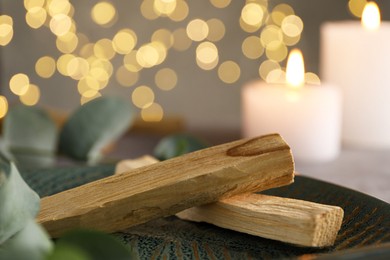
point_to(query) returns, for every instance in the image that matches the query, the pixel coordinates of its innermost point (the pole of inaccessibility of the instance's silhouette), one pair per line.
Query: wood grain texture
(288, 220)
(165, 188)
(307, 223)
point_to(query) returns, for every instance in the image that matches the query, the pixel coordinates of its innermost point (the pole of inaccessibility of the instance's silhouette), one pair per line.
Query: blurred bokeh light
(149, 63)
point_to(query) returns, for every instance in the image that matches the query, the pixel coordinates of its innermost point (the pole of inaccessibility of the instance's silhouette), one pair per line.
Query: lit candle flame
(295, 71)
(371, 17)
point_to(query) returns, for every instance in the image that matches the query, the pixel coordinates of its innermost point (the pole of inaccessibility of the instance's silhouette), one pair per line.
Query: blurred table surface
(367, 171)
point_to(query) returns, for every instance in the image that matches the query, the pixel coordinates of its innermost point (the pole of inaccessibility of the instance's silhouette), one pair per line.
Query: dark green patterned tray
(366, 222)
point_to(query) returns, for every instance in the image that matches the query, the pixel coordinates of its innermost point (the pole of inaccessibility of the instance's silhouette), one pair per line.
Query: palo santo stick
(288, 220)
(165, 188)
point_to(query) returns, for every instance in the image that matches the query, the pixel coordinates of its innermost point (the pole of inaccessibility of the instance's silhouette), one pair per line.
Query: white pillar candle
(358, 60)
(308, 117)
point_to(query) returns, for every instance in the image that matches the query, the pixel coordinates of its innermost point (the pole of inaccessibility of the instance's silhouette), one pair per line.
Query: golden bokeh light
(164, 7)
(252, 47)
(356, 7)
(93, 60)
(36, 17)
(29, 4)
(220, 3)
(181, 41)
(90, 93)
(87, 50)
(276, 76)
(147, 56)
(266, 67)
(130, 62)
(71, 11)
(164, 36)
(312, 78)
(292, 26)
(60, 24)
(82, 41)
(6, 29)
(32, 96)
(77, 68)
(59, 7)
(103, 13)
(67, 43)
(19, 84)
(151, 54)
(279, 12)
(101, 75)
(6, 19)
(104, 49)
(229, 72)
(263, 3)
(62, 63)
(216, 30)
(166, 79)
(207, 66)
(152, 113)
(147, 10)
(161, 49)
(125, 77)
(87, 83)
(252, 14)
(84, 99)
(197, 30)
(124, 41)
(291, 41)
(271, 35)
(276, 51)
(207, 55)
(181, 11)
(45, 67)
(3, 106)
(106, 65)
(142, 97)
(249, 28)
(73, 27)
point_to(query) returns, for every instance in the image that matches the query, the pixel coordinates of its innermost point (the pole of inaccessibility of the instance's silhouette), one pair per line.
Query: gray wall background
(200, 97)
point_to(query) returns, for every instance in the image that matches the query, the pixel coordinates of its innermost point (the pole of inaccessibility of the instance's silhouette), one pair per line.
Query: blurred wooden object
(168, 125)
(166, 188)
(131, 164)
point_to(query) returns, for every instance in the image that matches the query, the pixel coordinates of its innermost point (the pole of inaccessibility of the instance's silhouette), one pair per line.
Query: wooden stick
(165, 188)
(288, 220)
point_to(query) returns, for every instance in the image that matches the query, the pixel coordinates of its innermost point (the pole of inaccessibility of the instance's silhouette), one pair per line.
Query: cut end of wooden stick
(288, 220)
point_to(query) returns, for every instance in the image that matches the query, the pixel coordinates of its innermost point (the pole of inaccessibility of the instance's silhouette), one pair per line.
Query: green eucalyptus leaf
(32, 243)
(176, 145)
(18, 202)
(88, 244)
(93, 126)
(30, 135)
(67, 252)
